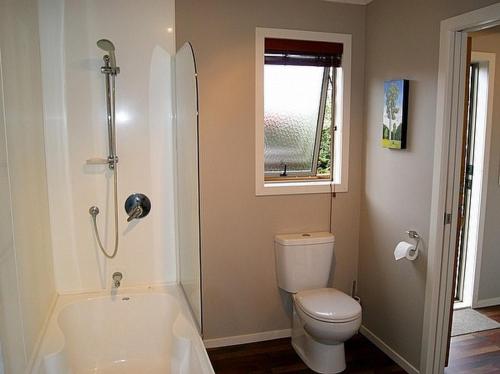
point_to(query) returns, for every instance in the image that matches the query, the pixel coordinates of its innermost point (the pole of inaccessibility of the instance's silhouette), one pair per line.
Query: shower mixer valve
(137, 206)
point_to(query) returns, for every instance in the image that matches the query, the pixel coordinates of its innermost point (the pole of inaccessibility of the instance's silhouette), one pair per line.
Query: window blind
(302, 53)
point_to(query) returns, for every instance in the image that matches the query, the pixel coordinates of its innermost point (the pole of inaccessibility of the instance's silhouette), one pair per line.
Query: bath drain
(125, 298)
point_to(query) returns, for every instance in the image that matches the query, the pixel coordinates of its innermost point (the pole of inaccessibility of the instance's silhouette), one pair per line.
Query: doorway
(476, 172)
(476, 310)
(447, 211)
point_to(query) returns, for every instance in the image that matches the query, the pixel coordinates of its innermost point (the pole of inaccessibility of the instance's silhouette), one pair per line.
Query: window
(301, 111)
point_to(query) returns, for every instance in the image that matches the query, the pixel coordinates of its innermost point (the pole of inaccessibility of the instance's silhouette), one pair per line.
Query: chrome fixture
(137, 206)
(135, 213)
(108, 46)
(110, 70)
(412, 234)
(94, 211)
(117, 278)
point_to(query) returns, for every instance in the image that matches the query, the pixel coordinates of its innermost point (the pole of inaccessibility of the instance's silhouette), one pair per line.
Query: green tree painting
(395, 114)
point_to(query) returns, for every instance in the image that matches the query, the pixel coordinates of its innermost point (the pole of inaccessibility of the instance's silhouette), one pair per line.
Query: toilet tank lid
(305, 238)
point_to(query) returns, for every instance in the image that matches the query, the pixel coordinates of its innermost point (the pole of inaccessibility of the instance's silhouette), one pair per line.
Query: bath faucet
(117, 277)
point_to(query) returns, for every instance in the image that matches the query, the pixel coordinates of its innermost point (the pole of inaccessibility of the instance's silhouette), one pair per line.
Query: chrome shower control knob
(137, 206)
(94, 211)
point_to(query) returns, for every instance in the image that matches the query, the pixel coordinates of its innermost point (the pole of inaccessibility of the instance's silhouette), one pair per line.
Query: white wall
(489, 281)
(27, 287)
(76, 130)
(11, 330)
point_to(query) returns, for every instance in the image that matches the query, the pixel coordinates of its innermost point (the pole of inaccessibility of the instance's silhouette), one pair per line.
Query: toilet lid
(328, 304)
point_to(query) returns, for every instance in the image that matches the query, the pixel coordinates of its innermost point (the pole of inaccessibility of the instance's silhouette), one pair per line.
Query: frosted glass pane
(291, 104)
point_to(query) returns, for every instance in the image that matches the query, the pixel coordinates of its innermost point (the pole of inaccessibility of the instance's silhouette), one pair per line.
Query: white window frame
(341, 140)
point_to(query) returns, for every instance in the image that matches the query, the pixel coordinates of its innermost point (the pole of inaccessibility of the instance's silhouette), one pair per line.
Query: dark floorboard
(478, 352)
(492, 312)
(278, 356)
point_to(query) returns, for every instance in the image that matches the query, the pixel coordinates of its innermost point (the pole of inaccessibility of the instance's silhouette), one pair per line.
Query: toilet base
(322, 358)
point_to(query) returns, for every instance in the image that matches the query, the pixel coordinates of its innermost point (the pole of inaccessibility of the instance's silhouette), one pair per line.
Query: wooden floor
(478, 352)
(278, 356)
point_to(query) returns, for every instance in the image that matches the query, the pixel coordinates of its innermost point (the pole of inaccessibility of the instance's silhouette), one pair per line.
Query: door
(461, 208)
(466, 186)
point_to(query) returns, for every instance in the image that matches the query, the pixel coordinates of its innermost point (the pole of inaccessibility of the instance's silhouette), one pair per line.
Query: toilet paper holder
(414, 235)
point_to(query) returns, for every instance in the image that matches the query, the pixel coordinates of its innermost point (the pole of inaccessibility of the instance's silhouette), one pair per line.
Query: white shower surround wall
(144, 330)
(75, 130)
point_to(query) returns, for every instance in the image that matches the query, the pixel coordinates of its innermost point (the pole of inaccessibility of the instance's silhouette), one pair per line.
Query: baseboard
(248, 338)
(277, 334)
(487, 302)
(409, 368)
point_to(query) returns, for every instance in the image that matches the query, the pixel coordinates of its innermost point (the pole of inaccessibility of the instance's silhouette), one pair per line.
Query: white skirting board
(277, 334)
(409, 368)
(487, 302)
(249, 338)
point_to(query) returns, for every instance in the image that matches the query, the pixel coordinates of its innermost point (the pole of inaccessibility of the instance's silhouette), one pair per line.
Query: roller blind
(302, 53)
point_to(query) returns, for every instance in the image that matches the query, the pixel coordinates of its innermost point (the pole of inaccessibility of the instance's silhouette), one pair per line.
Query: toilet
(323, 318)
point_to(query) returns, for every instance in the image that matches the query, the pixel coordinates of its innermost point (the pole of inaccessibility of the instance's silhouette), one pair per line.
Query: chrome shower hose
(94, 219)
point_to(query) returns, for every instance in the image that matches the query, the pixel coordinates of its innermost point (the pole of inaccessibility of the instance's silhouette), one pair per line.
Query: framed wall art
(395, 118)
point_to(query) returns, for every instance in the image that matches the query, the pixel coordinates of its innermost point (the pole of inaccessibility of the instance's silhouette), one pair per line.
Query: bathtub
(135, 331)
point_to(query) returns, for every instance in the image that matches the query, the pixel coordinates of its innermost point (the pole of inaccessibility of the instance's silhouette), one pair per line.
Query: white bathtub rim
(56, 344)
(138, 288)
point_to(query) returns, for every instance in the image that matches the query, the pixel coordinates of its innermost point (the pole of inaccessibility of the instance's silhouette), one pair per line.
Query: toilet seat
(328, 305)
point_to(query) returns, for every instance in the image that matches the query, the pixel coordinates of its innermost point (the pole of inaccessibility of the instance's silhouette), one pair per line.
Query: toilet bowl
(323, 318)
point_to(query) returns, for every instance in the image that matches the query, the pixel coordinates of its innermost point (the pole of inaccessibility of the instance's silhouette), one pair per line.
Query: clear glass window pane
(324, 156)
(292, 97)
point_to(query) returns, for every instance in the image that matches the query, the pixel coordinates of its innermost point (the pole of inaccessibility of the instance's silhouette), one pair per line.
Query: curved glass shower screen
(188, 198)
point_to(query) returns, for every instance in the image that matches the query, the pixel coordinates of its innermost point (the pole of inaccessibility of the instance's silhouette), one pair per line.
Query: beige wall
(402, 42)
(240, 293)
(489, 285)
(26, 275)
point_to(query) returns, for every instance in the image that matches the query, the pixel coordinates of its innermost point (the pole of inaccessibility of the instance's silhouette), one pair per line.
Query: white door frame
(446, 181)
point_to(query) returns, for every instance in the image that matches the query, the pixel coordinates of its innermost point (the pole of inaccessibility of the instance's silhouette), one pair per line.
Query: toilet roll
(405, 249)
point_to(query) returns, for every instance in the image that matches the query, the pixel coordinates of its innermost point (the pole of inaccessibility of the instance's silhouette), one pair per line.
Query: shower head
(108, 46)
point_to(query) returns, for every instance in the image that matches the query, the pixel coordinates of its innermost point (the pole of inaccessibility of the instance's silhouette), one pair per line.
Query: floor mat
(466, 321)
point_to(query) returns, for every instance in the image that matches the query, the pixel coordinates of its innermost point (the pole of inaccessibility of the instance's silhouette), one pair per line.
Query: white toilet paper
(405, 249)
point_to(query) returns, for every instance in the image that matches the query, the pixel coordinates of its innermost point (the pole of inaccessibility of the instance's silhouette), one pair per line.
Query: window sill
(298, 187)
